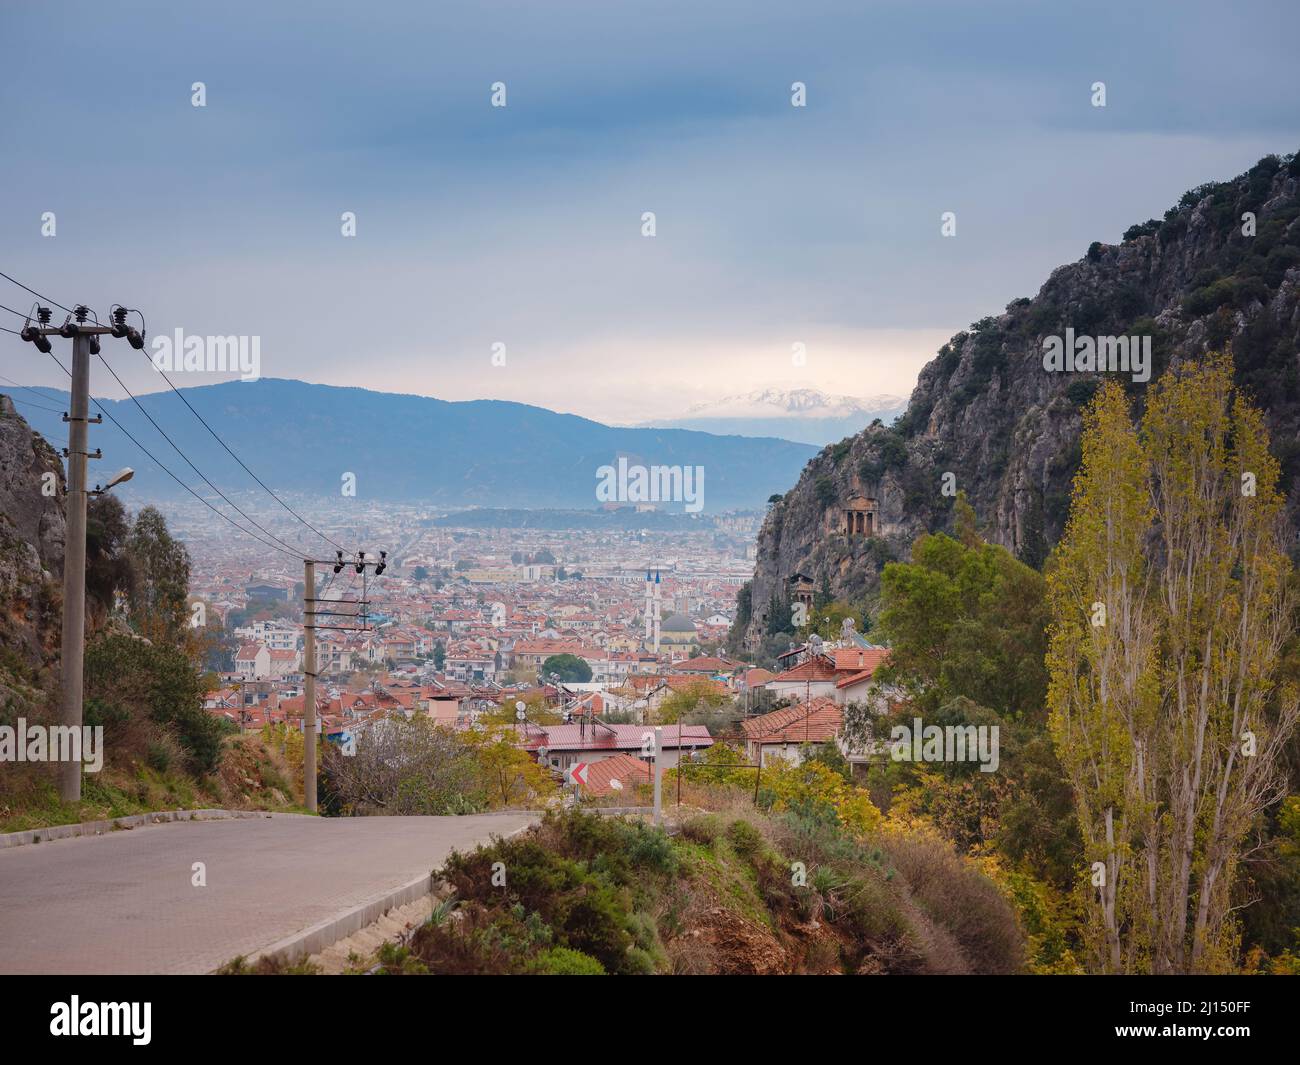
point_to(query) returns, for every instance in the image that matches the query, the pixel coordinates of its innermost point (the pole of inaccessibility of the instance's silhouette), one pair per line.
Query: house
(856, 669)
(753, 678)
(590, 741)
(813, 677)
(676, 683)
(782, 733)
(282, 663)
(618, 774)
(534, 652)
(253, 661)
(706, 665)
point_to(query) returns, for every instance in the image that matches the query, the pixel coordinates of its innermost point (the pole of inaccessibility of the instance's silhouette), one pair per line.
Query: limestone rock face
(1221, 270)
(32, 534)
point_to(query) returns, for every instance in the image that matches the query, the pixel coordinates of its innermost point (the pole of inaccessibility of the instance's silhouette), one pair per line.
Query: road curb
(326, 933)
(113, 824)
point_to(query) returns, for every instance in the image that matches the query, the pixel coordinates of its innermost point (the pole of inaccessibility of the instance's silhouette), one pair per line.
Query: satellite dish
(616, 784)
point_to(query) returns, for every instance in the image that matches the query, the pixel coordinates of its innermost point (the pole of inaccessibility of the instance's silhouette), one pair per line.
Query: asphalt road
(124, 902)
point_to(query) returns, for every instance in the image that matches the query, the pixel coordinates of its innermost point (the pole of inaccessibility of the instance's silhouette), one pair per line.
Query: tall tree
(1171, 617)
(161, 568)
(1103, 686)
(966, 620)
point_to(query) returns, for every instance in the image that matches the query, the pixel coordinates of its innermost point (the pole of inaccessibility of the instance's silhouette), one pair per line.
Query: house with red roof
(856, 668)
(561, 746)
(783, 733)
(812, 678)
(618, 774)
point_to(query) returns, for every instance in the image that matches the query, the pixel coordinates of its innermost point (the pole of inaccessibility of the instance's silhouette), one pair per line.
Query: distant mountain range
(805, 415)
(302, 438)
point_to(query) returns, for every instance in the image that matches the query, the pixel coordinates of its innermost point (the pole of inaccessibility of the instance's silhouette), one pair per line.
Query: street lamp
(121, 477)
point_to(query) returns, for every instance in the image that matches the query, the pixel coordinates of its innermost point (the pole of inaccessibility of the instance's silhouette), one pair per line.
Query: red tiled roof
(688, 683)
(624, 768)
(705, 664)
(819, 668)
(616, 737)
(812, 722)
(860, 659)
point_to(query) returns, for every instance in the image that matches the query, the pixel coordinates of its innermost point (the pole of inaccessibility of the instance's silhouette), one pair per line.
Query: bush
(563, 961)
(143, 693)
(1080, 392)
(703, 829)
(959, 898)
(745, 839)
(1142, 229)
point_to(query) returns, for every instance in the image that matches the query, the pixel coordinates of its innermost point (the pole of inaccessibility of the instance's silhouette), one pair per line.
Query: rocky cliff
(1221, 269)
(31, 556)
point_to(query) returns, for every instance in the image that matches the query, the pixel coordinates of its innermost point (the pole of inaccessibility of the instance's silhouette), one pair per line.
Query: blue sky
(521, 225)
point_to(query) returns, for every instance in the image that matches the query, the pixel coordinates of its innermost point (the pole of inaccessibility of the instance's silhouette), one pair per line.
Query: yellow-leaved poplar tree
(1170, 615)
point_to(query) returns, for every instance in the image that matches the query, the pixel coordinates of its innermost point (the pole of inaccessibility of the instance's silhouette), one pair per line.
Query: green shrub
(745, 839)
(704, 829)
(564, 961)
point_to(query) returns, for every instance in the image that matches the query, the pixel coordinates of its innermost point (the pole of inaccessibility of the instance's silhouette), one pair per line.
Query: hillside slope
(986, 411)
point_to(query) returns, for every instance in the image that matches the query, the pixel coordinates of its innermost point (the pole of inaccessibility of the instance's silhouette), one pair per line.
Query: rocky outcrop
(31, 543)
(1222, 269)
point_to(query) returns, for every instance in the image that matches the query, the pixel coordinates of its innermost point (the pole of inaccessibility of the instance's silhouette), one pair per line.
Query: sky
(779, 230)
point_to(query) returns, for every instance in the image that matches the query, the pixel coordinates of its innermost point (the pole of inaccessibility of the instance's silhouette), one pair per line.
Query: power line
(26, 388)
(202, 476)
(250, 473)
(215, 435)
(35, 293)
(157, 462)
(29, 403)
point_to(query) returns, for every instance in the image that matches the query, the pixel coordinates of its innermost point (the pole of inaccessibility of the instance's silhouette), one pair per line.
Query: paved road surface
(123, 902)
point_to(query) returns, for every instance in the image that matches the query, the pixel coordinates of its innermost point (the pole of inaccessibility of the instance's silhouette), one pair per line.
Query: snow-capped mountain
(804, 415)
(794, 402)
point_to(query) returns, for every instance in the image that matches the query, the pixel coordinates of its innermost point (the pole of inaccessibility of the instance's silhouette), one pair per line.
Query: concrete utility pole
(309, 684)
(74, 563)
(85, 343)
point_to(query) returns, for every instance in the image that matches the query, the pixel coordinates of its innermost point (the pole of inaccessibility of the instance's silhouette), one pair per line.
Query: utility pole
(74, 564)
(309, 686)
(311, 610)
(85, 343)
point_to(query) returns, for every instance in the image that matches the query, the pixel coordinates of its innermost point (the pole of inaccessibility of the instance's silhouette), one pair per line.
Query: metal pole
(659, 777)
(309, 685)
(74, 564)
